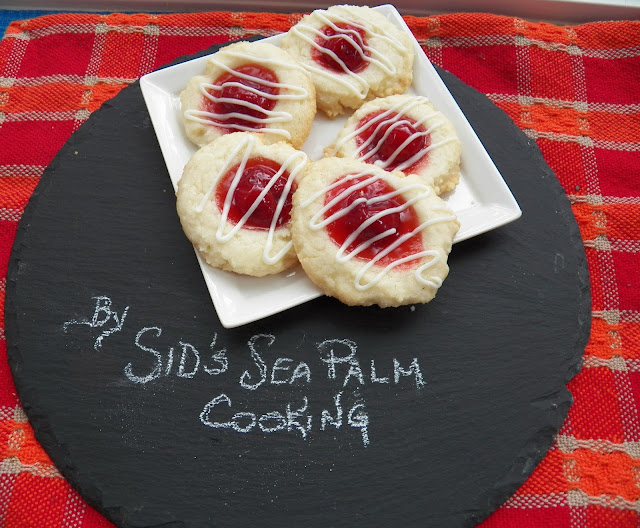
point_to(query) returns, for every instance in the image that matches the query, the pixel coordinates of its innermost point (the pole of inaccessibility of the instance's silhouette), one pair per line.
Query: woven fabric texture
(574, 90)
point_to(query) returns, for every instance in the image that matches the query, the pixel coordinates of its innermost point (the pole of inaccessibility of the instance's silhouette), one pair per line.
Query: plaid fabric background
(574, 90)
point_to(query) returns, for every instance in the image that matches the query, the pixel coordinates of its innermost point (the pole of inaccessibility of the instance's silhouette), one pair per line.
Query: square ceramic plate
(482, 200)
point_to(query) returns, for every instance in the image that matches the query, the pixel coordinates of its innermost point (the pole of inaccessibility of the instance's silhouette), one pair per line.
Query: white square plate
(482, 200)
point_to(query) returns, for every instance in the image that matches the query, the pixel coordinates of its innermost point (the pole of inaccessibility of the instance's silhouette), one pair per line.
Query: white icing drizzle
(293, 92)
(297, 160)
(360, 86)
(315, 223)
(392, 118)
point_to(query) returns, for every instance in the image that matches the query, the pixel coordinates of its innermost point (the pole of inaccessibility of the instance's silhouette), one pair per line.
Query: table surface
(572, 90)
(8, 16)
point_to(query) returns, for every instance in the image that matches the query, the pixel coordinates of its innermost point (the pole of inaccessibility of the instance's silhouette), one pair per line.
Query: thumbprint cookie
(367, 236)
(249, 87)
(404, 133)
(234, 203)
(353, 54)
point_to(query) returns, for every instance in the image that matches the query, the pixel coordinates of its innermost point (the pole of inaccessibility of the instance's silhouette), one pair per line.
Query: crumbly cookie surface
(291, 117)
(408, 270)
(387, 50)
(427, 143)
(223, 243)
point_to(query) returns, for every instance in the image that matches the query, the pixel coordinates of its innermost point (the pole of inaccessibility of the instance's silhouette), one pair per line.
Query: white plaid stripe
(613, 54)
(41, 115)
(18, 50)
(579, 83)
(615, 363)
(597, 199)
(569, 444)
(12, 66)
(521, 29)
(523, 69)
(13, 466)
(7, 483)
(577, 104)
(71, 79)
(433, 49)
(91, 75)
(11, 215)
(171, 31)
(629, 411)
(149, 49)
(7, 413)
(432, 46)
(622, 246)
(480, 40)
(584, 141)
(82, 115)
(615, 317)
(29, 171)
(581, 499)
(526, 501)
(577, 513)
(576, 499)
(74, 510)
(19, 415)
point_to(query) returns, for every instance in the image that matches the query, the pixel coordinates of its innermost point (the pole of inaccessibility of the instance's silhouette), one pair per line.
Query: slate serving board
(323, 415)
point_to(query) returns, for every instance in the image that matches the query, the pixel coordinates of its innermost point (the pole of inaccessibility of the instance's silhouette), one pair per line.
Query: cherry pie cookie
(368, 236)
(353, 54)
(405, 133)
(234, 203)
(249, 87)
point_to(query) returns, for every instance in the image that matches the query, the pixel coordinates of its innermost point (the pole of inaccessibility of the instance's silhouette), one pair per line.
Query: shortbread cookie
(353, 54)
(250, 87)
(367, 236)
(405, 133)
(234, 203)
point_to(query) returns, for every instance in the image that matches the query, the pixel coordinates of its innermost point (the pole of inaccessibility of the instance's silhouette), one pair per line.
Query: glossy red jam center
(403, 221)
(243, 93)
(257, 174)
(396, 137)
(348, 43)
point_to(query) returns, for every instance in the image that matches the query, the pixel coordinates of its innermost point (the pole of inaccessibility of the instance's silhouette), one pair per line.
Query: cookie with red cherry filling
(249, 87)
(234, 203)
(353, 54)
(367, 236)
(405, 133)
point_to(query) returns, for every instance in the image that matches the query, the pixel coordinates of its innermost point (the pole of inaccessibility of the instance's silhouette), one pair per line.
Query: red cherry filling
(348, 43)
(257, 174)
(241, 93)
(403, 221)
(388, 145)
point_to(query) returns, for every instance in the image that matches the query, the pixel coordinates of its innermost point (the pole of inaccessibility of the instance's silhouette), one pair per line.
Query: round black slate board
(466, 396)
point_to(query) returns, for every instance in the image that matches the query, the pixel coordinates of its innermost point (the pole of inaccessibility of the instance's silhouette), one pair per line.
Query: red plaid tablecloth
(575, 90)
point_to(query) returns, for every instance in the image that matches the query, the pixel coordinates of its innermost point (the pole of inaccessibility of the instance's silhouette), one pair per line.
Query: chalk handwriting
(157, 369)
(217, 356)
(102, 314)
(271, 422)
(190, 360)
(357, 417)
(262, 367)
(279, 371)
(295, 418)
(335, 352)
(338, 358)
